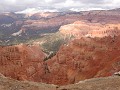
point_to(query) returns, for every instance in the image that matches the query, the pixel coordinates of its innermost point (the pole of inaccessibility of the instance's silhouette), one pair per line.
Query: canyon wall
(83, 59)
(84, 29)
(21, 62)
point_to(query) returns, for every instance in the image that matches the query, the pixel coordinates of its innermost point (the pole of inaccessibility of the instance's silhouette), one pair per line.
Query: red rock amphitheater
(81, 59)
(80, 29)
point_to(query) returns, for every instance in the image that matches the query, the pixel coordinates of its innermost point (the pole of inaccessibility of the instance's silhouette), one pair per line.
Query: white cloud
(17, 5)
(84, 9)
(36, 10)
(10, 1)
(69, 3)
(47, 1)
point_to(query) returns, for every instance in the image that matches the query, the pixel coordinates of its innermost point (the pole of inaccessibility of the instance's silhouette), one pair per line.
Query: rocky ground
(11, 84)
(109, 83)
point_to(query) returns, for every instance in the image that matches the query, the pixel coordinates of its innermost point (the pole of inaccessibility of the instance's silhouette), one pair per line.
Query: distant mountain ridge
(22, 27)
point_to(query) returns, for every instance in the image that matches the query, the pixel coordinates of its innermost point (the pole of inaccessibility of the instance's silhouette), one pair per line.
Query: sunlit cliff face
(84, 29)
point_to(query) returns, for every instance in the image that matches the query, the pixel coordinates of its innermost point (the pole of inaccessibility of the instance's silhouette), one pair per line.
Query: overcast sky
(19, 5)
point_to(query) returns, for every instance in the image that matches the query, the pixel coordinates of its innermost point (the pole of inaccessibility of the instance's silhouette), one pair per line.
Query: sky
(75, 5)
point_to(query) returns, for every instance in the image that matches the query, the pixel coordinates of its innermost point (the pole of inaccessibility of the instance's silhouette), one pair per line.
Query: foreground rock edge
(106, 83)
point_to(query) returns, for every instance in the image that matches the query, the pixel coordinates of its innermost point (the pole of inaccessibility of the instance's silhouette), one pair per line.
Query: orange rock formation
(83, 59)
(21, 62)
(79, 60)
(84, 29)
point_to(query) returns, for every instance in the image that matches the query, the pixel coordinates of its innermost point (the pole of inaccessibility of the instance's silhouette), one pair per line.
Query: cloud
(19, 5)
(91, 1)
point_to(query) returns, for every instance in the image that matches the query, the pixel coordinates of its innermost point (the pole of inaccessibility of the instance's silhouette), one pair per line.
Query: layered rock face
(48, 22)
(84, 29)
(39, 21)
(78, 60)
(21, 62)
(83, 59)
(20, 28)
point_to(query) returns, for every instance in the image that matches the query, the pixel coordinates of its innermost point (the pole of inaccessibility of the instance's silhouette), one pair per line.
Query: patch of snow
(17, 33)
(36, 10)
